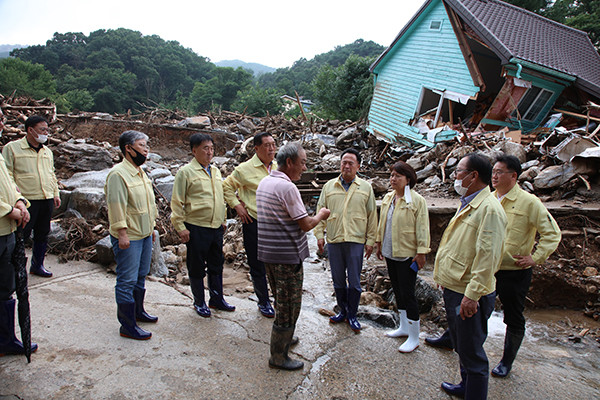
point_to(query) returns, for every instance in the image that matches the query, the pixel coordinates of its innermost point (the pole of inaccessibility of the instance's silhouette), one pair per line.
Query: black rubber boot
(129, 328)
(512, 343)
(262, 293)
(341, 295)
(281, 339)
(140, 314)
(215, 288)
(353, 302)
(9, 344)
(197, 286)
(38, 254)
(442, 342)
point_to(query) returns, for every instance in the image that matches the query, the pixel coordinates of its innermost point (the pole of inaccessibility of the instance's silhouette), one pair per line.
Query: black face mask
(139, 158)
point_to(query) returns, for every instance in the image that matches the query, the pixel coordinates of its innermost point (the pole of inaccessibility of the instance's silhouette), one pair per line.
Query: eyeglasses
(459, 170)
(497, 172)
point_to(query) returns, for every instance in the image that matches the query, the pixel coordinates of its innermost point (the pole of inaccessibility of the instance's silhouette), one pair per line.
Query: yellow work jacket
(527, 215)
(130, 201)
(32, 171)
(471, 247)
(410, 225)
(245, 179)
(353, 215)
(8, 198)
(197, 197)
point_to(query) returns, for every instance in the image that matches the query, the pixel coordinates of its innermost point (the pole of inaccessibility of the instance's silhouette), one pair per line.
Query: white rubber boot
(402, 327)
(413, 337)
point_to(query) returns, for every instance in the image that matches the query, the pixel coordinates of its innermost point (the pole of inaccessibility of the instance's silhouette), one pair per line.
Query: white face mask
(459, 188)
(41, 138)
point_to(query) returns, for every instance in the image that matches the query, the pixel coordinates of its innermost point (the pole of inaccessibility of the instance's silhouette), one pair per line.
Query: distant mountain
(258, 69)
(5, 49)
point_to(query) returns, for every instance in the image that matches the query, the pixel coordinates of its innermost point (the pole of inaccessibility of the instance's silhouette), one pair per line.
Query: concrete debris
(559, 163)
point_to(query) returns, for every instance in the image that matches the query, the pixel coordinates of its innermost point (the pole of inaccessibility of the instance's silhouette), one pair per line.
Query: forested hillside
(119, 70)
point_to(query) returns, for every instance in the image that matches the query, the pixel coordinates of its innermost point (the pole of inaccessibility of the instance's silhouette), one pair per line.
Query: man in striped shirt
(282, 246)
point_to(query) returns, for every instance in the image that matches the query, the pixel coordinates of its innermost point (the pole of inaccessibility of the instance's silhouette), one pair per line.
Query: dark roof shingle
(514, 32)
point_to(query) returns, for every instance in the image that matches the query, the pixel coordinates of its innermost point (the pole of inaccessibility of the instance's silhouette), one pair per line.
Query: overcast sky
(271, 32)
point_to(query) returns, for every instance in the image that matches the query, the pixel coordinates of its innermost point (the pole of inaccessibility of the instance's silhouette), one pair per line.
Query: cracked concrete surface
(81, 355)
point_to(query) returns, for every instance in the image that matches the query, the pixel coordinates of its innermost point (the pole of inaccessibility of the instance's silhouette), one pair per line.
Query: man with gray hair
(282, 246)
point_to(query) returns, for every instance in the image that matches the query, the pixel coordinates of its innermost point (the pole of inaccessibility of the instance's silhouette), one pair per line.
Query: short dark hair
(130, 137)
(352, 151)
(258, 138)
(32, 121)
(512, 163)
(409, 172)
(479, 163)
(198, 138)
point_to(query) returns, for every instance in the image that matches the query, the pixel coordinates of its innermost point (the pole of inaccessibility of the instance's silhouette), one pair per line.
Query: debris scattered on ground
(560, 163)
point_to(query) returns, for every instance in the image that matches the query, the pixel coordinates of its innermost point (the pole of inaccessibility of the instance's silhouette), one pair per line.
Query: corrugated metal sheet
(422, 57)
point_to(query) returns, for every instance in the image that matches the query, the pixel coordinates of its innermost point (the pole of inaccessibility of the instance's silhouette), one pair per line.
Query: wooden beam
(465, 49)
(576, 115)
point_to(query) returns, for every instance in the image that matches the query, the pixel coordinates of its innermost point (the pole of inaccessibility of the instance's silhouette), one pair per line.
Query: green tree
(258, 102)
(26, 78)
(344, 92)
(300, 75)
(79, 99)
(579, 14)
(221, 90)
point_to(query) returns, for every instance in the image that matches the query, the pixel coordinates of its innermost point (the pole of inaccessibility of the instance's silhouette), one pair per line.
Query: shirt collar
(257, 162)
(467, 199)
(278, 174)
(130, 168)
(345, 185)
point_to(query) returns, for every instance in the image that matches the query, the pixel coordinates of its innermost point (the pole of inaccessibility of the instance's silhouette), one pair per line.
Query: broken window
(532, 103)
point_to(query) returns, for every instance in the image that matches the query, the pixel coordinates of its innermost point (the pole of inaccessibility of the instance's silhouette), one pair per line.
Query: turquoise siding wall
(421, 58)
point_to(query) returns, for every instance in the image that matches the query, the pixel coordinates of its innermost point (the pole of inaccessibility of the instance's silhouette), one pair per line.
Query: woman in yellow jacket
(403, 239)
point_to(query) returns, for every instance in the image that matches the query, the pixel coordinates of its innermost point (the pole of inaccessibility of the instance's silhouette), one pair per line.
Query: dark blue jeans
(133, 264)
(469, 335)
(346, 261)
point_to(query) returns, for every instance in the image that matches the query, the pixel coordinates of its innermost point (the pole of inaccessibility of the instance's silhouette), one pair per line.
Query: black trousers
(257, 267)
(468, 336)
(40, 213)
(204, 251)
(512, 287)
(7, 270)
(403, 281)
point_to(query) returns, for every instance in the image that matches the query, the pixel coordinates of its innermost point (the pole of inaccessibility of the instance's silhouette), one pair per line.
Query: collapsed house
(481, 65)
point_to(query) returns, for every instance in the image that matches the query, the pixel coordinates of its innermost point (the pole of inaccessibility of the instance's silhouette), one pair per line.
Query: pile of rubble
(558, 163)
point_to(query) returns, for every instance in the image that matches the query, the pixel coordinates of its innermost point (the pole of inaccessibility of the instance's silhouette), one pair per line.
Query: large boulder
(347, 137)
(88, 201)
(512, 149)
(165, 186)
(158, 267)
(554, 176)
(104, 251)
(78, 157)
(89, 179)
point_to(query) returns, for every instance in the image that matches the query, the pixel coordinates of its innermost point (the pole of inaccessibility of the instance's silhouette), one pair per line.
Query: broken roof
(514, 33)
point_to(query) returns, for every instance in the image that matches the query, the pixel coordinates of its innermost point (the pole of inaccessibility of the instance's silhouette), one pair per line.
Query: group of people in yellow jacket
(488, 246)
